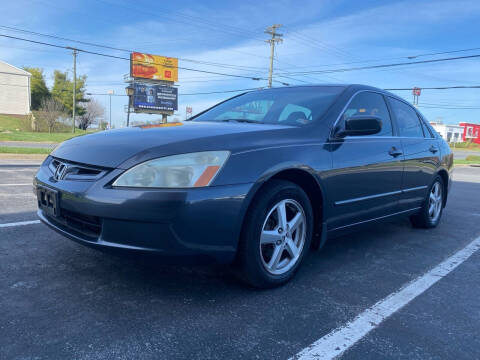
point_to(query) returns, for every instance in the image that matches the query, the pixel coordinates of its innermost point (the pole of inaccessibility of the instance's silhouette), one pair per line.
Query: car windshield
(285, 106)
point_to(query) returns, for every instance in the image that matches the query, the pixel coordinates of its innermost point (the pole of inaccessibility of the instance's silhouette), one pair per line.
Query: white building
(451, 133)
(14, 90)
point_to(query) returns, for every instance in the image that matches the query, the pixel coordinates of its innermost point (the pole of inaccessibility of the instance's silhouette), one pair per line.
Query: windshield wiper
(241, 121)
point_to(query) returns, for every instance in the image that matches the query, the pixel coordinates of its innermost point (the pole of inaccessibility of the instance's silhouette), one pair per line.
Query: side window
(369, 103)
(408, 122)
(292, 112)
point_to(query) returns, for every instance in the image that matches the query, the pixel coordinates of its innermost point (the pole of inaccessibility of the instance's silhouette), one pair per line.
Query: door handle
(394, 152)
(433, 149)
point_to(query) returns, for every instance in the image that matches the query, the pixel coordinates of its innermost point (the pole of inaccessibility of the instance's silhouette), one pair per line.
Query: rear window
(283, 106)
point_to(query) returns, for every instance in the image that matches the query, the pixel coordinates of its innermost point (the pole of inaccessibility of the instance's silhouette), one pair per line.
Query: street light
(130, 90)
(110, 93)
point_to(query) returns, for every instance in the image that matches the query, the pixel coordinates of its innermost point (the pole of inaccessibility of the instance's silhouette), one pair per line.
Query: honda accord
(255, 181)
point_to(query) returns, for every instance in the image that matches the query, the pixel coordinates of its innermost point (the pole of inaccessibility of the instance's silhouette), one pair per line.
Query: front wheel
(276, 235)
(431, 212)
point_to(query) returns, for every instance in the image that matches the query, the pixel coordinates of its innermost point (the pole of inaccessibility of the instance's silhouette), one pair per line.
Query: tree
(50, 112)
(62, 91)
(39, 90)
(93, 113)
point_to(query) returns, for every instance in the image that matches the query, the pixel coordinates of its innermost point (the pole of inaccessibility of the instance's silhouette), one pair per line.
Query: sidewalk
(21, 159)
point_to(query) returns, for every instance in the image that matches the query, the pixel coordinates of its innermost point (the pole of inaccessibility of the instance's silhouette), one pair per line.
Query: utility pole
(110, 93)
(128, 112)
(74, 88)
(276, 38)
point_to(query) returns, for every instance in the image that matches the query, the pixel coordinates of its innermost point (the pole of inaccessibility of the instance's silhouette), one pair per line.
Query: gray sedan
(255, 181)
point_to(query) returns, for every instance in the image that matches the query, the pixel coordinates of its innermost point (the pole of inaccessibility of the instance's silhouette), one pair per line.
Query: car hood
(124, 147)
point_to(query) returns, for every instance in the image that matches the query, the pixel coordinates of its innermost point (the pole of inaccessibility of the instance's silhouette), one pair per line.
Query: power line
(448, 108)
(385, 59)
(193, 21)
(128, 59)
(188, 94)
(442, 52)
(437, 88)
(208, 63)
(255, 69)
(383, 65)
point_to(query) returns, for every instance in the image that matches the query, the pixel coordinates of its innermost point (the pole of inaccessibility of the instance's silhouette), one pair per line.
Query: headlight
(177, 171)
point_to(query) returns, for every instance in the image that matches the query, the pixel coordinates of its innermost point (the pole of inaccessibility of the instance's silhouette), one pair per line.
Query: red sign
(189, 109)
(417, 91)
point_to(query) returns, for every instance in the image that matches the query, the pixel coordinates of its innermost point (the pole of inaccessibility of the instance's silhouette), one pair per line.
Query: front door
(366, 177)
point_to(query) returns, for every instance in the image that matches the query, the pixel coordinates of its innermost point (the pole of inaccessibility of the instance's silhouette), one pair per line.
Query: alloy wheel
(435, 202)
(283, 236)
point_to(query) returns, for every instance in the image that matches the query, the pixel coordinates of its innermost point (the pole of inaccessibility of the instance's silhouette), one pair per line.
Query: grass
(9, 122)
(14, 128)
(469, 160)
(38, 136)
(23, 150)
(466, 146)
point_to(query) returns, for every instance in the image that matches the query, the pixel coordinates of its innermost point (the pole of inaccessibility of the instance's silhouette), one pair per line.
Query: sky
(317, 35)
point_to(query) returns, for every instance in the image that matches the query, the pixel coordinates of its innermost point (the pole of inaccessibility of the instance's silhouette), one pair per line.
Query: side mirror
(360, 125)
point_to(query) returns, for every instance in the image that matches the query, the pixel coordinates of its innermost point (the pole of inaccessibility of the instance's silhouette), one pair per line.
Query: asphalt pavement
(461, 154)
(60, 300)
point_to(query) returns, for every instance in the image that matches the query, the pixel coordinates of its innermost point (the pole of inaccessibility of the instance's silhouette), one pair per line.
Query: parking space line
(20, 223)
(16, 184)
(341, 339)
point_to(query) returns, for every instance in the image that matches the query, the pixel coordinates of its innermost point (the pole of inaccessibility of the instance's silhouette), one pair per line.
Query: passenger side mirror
(360, 125)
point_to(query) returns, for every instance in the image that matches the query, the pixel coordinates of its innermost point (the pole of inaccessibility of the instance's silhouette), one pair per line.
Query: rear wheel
(276, 235)
(431, 212)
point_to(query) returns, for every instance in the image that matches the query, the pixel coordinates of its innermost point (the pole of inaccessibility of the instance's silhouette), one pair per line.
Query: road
(60, 300)
(461, 154)
(28, 144)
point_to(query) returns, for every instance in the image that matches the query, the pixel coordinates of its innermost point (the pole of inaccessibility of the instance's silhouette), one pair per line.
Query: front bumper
(200, 224)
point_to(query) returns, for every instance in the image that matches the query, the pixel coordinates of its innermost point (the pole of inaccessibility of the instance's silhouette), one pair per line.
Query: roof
(10, 69)
(468, 124)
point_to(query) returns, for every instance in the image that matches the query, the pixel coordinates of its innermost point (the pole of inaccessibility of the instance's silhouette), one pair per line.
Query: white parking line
(16, 184)
(341, 339)
(21, 223)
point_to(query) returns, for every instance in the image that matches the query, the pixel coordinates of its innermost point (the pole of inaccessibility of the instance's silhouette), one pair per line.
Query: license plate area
(48, 201)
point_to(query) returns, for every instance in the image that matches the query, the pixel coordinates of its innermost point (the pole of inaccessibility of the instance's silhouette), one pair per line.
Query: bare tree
(51, 111)
(93, 112)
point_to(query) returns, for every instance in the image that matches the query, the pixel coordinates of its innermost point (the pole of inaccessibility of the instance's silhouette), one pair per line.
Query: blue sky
(318, 35)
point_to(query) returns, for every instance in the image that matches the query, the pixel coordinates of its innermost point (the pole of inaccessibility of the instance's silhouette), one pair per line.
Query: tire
(270, 249)
(426, 218)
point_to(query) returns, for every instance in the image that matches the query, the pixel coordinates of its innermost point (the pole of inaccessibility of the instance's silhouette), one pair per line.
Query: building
(451, 133)
(471, 132)
(14, 90)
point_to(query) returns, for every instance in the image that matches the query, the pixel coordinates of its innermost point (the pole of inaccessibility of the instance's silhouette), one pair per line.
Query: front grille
(64, 170)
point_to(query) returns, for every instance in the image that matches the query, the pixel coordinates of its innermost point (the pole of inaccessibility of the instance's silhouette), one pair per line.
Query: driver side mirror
(360, 125)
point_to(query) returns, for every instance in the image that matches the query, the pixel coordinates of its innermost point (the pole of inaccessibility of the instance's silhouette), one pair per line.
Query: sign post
(416, 91)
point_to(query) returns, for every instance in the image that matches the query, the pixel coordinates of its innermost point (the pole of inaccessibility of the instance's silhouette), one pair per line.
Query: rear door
(421, 152)
(365, 182)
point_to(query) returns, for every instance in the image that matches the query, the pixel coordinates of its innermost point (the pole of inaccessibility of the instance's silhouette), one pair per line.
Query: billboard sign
(154, 67)
(155, 97)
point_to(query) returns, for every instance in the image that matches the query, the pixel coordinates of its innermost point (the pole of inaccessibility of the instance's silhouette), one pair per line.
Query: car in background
(255, 181)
